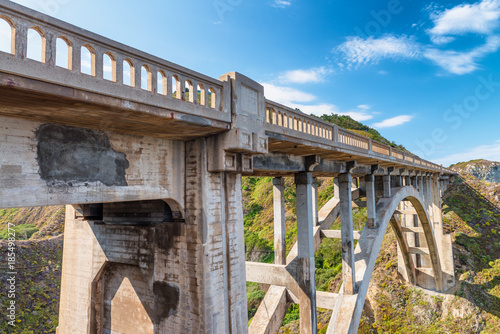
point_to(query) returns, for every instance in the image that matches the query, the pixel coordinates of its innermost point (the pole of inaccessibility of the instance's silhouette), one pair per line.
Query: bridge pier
(305, 241)
(183, 269)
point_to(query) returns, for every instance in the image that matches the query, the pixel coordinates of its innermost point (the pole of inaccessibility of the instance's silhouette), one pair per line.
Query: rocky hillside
(482, 169)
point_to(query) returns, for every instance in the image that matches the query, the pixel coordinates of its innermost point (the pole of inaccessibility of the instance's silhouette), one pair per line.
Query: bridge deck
(139, 93)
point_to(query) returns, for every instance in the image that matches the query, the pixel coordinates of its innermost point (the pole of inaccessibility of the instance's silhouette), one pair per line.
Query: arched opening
(7, 36)
(161, 83)
(36, 45)
(87, 60)
(128, 73)
(176, 87)
(212, 98)
(189, 91)
(200, 98)
(109, 67)
(146, 78)
(63, 53)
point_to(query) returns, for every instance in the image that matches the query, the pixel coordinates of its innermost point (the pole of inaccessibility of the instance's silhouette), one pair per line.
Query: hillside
(482, 169)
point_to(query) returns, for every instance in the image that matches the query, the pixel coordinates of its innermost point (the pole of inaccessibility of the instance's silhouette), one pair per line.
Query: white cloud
(488, 152)
(296, 99)
(305, 76)
(462, 62)
(286, 95)
(359, 51)
(394, 121)
(480, 18)
(282, 3)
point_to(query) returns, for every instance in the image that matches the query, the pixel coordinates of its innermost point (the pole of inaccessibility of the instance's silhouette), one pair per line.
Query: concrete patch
(166, 300)
(68, 155)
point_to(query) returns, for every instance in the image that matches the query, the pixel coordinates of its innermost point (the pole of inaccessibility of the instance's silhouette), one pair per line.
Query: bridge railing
(285, 120)
(107, 67)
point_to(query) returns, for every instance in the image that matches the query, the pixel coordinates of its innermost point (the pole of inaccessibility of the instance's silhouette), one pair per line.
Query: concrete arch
(385, 213)
(366, 254)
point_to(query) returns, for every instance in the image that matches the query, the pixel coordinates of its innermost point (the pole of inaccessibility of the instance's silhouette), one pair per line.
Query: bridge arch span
(368, 248)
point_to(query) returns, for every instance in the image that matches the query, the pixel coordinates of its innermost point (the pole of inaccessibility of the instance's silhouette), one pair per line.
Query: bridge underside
(46, 102)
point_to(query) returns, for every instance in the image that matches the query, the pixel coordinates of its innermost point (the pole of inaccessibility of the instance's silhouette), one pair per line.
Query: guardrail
(54, 51)
(296, 123)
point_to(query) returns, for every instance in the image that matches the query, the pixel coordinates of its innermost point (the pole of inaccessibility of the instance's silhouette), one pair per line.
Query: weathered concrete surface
(68, 154)
(186, 275)
(66, 165)
(271, 312)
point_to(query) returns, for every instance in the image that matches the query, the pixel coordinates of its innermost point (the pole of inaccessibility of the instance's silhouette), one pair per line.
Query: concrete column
(370, 200)
(414, 182)
(315, 201)
(420, 187)
(387, 186)
(279, 220)
(398, 181)
(407, 181)
(336, 187)
(347, 240)
(305, 240)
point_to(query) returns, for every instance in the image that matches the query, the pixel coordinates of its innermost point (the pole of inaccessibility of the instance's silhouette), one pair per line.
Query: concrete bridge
(148, 157)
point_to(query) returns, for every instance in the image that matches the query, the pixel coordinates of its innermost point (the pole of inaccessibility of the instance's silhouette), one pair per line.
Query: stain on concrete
(67, 155)
(165, 233)
(166, 300)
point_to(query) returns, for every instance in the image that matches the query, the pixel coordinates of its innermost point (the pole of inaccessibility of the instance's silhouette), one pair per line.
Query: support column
(387, 186)
(279, 220)
(305, 240)
(420, 187)
(336, 193)
(370, 200)
(398, 181)
(315, 201)
(407, 181)
(347, 240)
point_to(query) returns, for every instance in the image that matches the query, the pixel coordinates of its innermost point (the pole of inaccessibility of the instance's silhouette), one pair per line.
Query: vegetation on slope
(347, 122)
(38, 281)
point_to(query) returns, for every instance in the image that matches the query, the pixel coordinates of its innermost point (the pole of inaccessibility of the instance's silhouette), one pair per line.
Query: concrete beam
(337, 234)
(271, 312)
(272, 274)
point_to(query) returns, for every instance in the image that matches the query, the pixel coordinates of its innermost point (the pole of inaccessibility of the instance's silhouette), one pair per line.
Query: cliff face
(481, 169)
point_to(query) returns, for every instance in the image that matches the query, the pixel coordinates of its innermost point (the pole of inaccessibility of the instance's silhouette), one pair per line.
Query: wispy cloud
(394, 121)
(488, 152)
(480, 18)
(282, 3)
(286, 95)
(305, 76)
(462, 62)
(295, 98)
(370, 50)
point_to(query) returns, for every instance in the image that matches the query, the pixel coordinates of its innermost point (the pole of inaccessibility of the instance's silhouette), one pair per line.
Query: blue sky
(425, 74)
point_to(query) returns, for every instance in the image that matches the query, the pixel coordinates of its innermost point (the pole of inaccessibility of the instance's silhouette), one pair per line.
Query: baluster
(50, 48)
(119, 69)
(21, 43)
(153, 84)
(99, 62)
